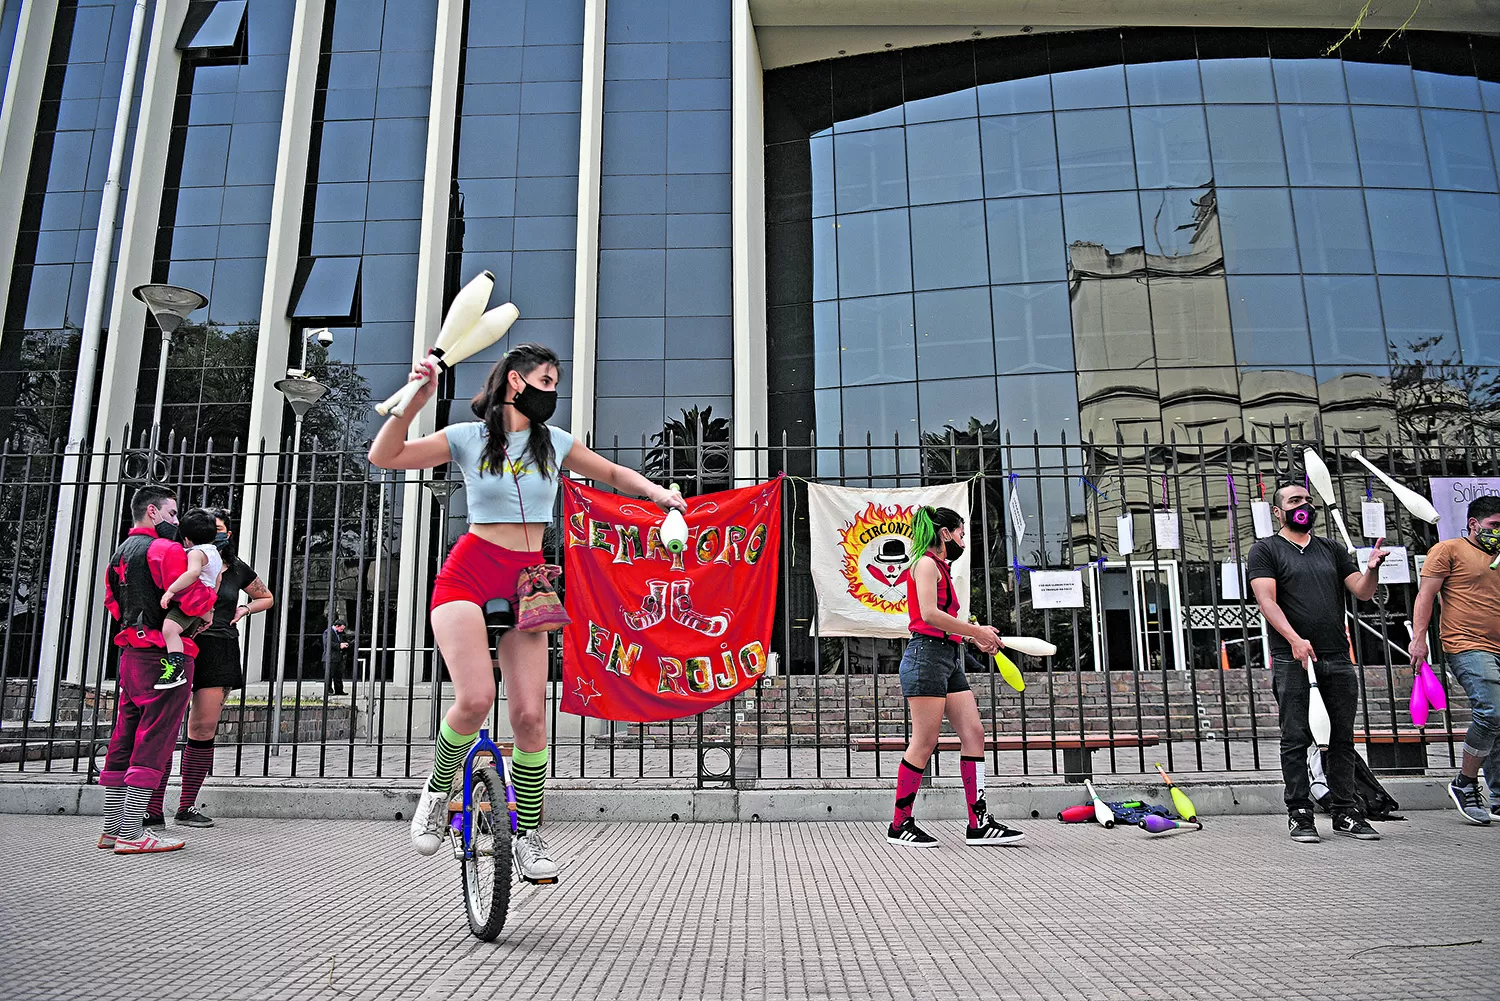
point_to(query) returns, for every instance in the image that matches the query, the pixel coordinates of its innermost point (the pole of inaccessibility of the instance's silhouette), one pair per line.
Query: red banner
(657, 635)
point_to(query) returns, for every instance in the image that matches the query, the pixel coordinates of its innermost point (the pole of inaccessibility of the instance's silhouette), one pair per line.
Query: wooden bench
(1397, 752)
(1077, 750)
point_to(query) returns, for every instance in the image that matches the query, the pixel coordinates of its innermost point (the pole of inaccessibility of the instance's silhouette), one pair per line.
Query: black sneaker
(1495, 811)
(173, 672)
(1352, 825)
(192, 817)
(1302, 828)
(909, 835)
(1470, 801)
(154, 820)
(991, 832)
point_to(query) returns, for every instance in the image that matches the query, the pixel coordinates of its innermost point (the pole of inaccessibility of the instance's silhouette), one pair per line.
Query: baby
(205, 565)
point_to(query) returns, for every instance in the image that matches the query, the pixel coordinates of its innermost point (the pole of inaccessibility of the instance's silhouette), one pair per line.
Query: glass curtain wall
(214, 231)
(514, 207)
(9, 18)
(1137, 233)
(49, 280)
(665, 329)
(362, 213)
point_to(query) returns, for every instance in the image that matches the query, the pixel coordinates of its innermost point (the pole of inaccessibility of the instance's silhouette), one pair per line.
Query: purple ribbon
(1233, 494)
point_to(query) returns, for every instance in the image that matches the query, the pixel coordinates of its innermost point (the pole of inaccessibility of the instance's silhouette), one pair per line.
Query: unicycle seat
(499, 619)
(499, 615)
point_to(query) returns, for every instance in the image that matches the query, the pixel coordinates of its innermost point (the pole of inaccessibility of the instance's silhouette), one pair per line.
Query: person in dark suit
(338, 653)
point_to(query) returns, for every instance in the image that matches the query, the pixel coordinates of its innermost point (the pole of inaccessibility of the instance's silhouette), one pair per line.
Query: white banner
(861, 549)
(1451, 496)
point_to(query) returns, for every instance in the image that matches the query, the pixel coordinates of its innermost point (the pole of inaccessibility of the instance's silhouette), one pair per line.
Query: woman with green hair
(934, 683)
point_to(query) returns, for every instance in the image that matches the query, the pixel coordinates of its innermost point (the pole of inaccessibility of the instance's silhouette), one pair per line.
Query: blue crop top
(492, 497)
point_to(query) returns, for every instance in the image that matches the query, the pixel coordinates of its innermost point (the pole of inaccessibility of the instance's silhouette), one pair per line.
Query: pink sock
(972, 769)
(908, 780)
(156, 807)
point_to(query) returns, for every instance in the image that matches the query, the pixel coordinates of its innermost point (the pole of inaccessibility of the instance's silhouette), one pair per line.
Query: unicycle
(480, 838)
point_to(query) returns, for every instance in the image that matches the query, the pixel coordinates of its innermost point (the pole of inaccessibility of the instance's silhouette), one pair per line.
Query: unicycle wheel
(487, 862)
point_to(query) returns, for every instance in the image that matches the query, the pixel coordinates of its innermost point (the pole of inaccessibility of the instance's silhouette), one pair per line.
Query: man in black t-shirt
(218, 672)
(1299, 580)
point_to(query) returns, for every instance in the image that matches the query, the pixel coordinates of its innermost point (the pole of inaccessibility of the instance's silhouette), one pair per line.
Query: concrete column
(586, 273)
(258, 511)
(23, 101)
(83, 654)
(749, 241)
(437, 189)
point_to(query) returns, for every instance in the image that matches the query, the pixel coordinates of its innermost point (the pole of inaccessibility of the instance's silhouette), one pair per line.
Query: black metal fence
(1165, 661)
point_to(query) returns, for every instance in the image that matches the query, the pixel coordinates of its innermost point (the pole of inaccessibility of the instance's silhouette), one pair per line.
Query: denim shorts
(932, 668)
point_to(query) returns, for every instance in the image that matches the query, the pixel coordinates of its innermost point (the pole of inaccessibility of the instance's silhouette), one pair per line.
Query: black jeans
(1340, 687)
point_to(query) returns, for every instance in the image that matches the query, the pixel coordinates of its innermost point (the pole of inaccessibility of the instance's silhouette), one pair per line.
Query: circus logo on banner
(861, 552)
(658, 635)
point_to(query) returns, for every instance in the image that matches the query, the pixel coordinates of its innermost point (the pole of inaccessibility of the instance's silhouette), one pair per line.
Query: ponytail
(926, 524)
(922, 533)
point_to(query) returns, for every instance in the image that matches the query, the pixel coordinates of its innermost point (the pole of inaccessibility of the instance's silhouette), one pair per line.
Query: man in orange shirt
(1459, 571)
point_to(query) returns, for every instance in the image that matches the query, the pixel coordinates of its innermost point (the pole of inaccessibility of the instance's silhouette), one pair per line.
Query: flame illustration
(853, 543)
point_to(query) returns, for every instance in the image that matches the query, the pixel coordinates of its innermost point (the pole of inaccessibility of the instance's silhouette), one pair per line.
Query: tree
(696, 453)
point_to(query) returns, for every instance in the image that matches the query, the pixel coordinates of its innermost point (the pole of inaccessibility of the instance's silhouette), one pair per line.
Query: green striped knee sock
(528, 772)
(452, 748)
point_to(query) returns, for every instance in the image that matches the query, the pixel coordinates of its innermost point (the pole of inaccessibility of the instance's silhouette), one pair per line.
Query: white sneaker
(428, 822)
(534, 859)
(146, 844)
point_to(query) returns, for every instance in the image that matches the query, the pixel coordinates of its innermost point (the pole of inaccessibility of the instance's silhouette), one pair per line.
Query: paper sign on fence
(1260, 512)
(1057, 589)
(1231, 578)
(1125, 526)
(1397, 566)
(1372, 519)
(1168, 530)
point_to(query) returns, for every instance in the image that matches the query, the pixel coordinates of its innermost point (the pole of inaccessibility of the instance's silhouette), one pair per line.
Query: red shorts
(478, 570)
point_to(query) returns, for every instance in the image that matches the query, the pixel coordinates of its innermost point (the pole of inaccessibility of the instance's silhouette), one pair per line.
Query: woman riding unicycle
(510, 460)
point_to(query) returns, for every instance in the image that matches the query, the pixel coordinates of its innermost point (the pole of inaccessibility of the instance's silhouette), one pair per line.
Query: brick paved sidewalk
(343, 910)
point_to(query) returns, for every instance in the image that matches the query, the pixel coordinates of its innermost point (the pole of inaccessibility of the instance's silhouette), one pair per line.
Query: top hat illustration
(892, 551)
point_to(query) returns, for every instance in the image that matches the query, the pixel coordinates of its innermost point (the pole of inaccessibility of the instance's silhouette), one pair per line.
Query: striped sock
(528, 772)
(452, 748)
(136, 800)
(114, 809)
(157, 806)
(197, 764)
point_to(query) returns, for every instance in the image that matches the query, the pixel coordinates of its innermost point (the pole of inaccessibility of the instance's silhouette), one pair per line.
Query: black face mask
(952, 550)
(224, 544)
(1301, 519)
(535, 404)
(166, 530)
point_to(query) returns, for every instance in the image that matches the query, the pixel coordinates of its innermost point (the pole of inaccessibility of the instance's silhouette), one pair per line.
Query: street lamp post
(302, 392)
(170, 305)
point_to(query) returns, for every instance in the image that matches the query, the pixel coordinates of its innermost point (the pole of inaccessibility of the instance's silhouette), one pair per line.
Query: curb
(323, 801)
